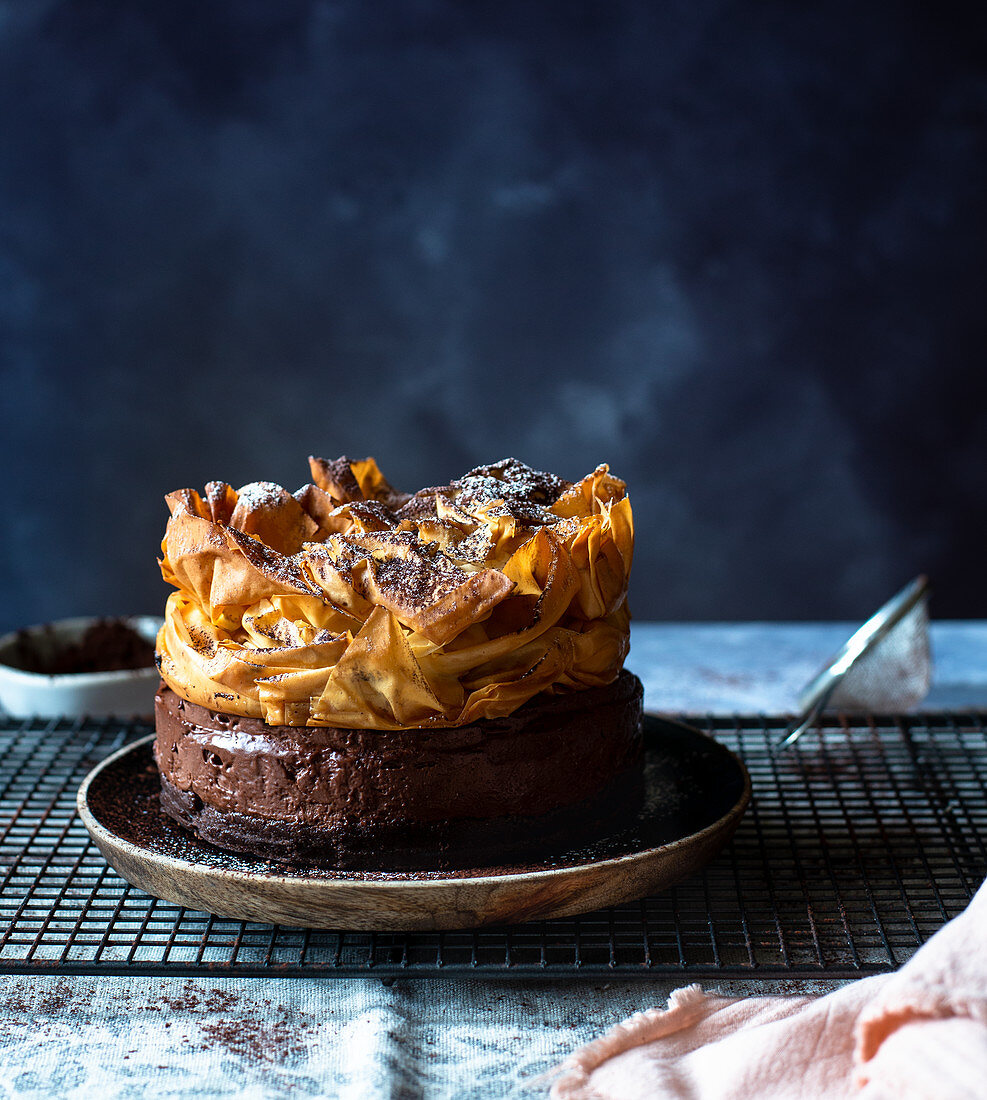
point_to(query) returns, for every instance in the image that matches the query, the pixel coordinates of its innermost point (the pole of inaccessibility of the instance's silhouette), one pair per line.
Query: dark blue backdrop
(736, 250)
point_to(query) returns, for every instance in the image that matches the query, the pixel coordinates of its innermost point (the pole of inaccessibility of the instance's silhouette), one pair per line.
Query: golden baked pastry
(351, 604)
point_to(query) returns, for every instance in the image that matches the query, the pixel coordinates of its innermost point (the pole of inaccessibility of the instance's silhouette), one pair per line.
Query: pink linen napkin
(921, 1032)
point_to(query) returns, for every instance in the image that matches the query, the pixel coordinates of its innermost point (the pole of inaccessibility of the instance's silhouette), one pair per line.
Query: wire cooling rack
(859, 843)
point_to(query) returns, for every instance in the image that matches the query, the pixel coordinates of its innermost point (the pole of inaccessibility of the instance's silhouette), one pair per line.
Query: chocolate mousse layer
(562, 771)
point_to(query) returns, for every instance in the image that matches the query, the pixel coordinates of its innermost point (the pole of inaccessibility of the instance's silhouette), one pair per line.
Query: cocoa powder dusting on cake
(285, 569)
(260, 494)
(201, 642)
(336, 477)
(422, 504)
(374, 515)
(527, 493)
(417, 583)
(420, 572)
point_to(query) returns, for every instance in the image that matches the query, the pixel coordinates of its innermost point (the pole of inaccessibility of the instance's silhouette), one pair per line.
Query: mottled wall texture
(737, 250)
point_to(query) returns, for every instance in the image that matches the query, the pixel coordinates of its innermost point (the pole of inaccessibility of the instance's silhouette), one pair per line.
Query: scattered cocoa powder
(257, 1041)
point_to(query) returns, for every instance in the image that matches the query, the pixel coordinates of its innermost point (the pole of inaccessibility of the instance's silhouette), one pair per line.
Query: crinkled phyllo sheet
(348, 603)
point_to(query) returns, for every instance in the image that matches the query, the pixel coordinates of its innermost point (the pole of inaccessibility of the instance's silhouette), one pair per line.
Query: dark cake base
(407, 847)
(562, 771)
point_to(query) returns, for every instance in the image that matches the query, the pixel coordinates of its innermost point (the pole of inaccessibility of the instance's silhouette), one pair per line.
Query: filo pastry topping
(351, 604)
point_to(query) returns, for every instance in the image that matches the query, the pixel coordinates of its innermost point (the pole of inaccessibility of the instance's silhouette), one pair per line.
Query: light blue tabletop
(177, 1039)
(759, 668)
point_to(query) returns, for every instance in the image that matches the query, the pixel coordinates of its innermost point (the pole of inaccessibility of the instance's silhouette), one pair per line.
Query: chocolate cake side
(561, 771)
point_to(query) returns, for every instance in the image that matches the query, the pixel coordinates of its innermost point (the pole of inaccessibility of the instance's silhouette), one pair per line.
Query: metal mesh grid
(860, 842)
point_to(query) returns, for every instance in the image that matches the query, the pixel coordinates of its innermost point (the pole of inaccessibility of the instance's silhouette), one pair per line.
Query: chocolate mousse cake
(370, 680)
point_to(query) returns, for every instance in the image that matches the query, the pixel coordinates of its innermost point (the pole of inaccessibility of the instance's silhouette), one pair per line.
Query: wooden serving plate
(697, 792)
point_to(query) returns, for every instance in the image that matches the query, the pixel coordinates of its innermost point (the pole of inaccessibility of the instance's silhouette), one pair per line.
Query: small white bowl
(78, 694)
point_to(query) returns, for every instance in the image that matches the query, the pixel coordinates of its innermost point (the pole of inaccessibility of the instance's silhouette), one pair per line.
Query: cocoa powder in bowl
(108, 645)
